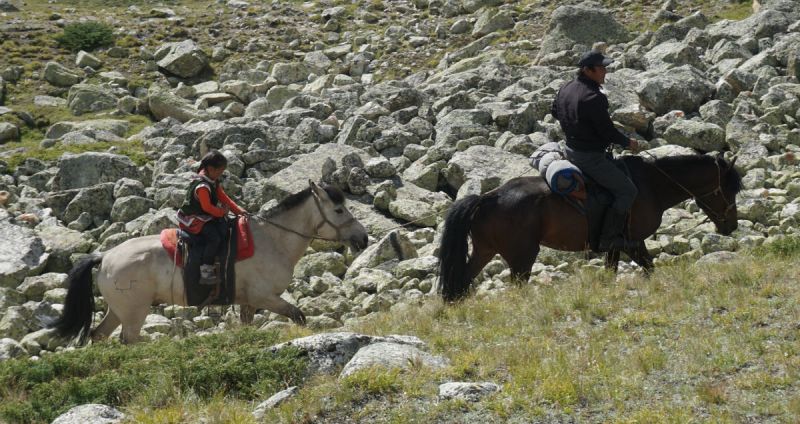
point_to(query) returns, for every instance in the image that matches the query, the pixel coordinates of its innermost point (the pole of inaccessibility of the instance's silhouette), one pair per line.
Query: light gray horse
(138, 273)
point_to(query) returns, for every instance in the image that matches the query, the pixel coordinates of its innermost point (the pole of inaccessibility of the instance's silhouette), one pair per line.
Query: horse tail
(76, 319)
(453, 280)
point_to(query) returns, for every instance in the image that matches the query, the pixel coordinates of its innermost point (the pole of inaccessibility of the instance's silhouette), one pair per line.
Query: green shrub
(86, 36)
(235, 364)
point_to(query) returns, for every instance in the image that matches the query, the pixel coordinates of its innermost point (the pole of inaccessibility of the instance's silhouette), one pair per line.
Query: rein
(697, 197)
(315, 236)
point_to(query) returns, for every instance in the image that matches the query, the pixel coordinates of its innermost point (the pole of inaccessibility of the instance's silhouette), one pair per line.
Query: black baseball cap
(594, 58)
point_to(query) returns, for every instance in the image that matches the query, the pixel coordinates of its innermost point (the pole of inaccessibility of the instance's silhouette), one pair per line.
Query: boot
(208, 275)
(611, 238)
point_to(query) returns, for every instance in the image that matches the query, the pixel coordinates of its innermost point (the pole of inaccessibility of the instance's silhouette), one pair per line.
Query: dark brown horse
(517, 217)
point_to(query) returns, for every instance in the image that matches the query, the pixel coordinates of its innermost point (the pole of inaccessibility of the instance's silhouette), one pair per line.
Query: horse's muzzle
(359, 242)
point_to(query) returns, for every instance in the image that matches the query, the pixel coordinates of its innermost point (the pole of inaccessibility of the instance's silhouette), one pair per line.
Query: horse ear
(315, 188)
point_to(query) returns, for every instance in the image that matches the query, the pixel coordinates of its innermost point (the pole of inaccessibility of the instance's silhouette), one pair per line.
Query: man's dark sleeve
(553, 107)
(598, 116)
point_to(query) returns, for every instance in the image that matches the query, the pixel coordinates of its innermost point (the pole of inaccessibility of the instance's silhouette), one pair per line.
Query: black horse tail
(453, 281)
(76, 319)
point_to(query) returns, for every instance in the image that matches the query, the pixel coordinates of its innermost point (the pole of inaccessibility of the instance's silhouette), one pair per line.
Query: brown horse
(517, 217)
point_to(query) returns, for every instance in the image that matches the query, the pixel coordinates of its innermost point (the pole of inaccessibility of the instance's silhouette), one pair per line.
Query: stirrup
(209, 280)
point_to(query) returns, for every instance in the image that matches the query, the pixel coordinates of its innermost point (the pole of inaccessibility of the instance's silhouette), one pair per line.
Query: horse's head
(720, 203)
(336, 221)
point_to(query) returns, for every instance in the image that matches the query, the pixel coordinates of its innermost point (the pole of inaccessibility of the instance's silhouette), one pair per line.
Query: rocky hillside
(405, 105)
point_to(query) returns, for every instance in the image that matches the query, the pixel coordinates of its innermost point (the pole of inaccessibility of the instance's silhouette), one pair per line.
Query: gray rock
(7, 6)
(308, 166)
(90, 168)
(15, 323)
(327, 352)
(60, 76)
(95, 200)
(43, 339)
(717, 258)
(184, 59)
(716, 112)
(49, 101)
(763, 24)
(581, 24)
(461, 124)
(470, 392)
(34, 287)
(317, 62)
(90, 414)
(389, 355)
(128, 187)
(421, 267)
(117, 127)
(84, 98)
(684, 88)
(413, 211)
(23, 254)
(289, 73)
(485, 163)
(62, 243)
(670, 54)
(84, 59)
(8, 132)
(703, 136)
(317, 264)
(127, 208)
(380, 167)
(10, 349)
(491, 20)
(393, 95)
(394, 245)
(163, 104)
(715, 243)
(10, 297)
(274, 401)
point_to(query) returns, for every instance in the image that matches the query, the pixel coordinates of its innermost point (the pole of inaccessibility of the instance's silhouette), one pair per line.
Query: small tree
(86, 36)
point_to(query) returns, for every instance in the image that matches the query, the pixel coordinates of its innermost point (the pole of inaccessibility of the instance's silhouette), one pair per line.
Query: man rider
(582, 110)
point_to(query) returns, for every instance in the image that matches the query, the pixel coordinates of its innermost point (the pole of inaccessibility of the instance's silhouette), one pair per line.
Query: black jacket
(582, 110)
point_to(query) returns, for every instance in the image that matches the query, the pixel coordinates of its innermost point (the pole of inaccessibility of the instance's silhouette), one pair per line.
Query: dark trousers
(214, 233)
(600, 168)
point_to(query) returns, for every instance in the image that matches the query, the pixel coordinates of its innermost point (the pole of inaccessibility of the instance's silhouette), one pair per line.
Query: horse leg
(107, 325)
(132, 324)
(477, 260)
(612, 260)
(641, 256)
(282, 307)
(521, 262)
(246, 313)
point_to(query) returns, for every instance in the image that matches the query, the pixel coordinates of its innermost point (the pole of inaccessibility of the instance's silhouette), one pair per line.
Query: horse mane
(296, 199)
(732, 181)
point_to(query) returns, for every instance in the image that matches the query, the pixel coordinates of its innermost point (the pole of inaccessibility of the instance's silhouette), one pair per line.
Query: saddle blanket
(244, 242)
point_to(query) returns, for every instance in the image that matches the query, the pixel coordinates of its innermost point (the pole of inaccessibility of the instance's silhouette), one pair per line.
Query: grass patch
(235, 365)
(691, 341)
(735, 11)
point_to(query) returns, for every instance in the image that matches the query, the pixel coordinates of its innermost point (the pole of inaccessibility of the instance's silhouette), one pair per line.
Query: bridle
(325, 221)
(698, 197)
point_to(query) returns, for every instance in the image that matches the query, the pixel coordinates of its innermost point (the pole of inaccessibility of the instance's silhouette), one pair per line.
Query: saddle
(592, 200)
(186, 250)
(174, 239)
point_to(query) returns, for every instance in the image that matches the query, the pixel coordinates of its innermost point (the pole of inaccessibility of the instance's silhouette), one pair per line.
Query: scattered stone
(274, 401)
(90, 414)
(470, 392)
(391, 355)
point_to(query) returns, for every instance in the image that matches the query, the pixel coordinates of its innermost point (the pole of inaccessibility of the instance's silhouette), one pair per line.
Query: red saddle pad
(244, 242)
